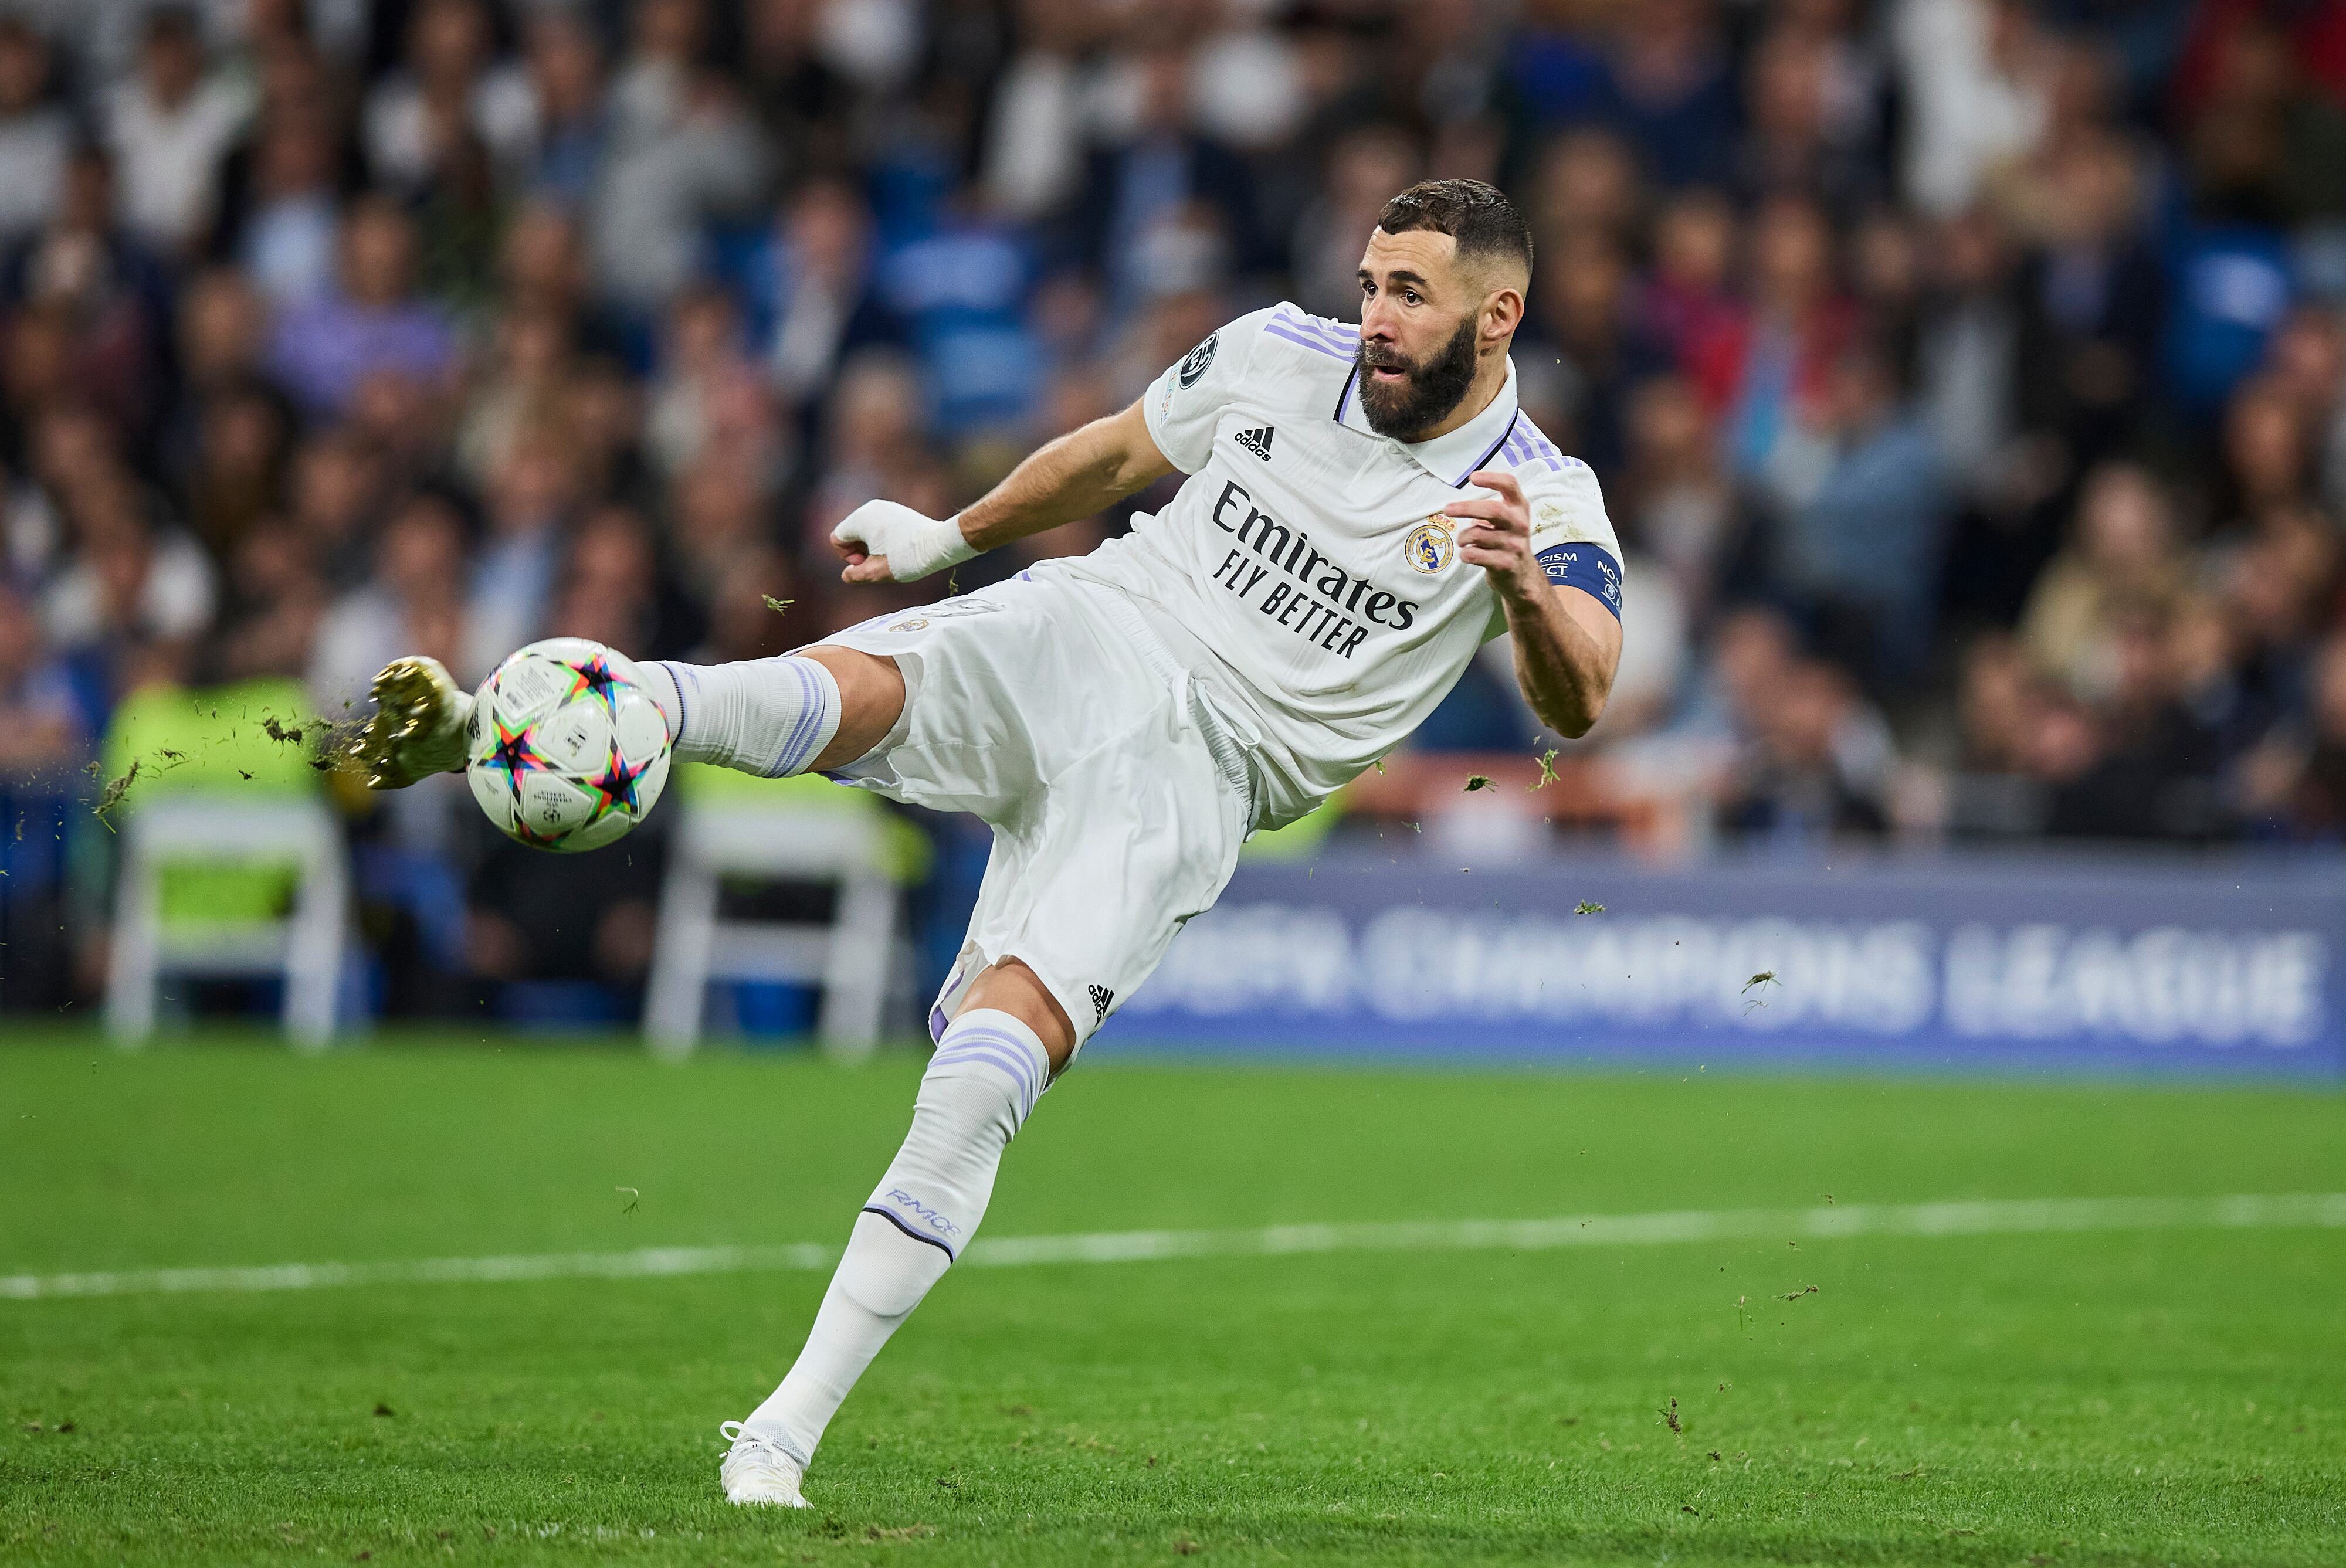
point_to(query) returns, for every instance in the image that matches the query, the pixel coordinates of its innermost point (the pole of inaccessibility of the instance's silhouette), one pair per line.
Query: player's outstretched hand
(887, 543)
(1496, 532)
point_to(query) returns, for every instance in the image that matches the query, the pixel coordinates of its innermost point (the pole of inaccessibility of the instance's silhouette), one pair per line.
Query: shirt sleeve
(1573, 539)
(1183, 406)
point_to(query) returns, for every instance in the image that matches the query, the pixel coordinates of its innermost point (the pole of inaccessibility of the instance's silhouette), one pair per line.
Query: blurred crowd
(1967, 378)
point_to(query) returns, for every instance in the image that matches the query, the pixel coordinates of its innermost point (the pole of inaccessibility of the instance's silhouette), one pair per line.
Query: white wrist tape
(932, 547)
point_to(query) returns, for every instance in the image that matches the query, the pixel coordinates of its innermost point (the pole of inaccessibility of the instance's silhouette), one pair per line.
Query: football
(567, 750)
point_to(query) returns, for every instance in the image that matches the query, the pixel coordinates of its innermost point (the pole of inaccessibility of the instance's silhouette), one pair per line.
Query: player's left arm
(1567, 639)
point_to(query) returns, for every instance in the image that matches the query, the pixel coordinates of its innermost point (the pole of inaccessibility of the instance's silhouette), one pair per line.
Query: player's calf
(981, 1085)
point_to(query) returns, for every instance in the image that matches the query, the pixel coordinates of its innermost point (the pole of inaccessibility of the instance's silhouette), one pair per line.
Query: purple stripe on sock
(809, 718)
(1002, 1053)
(1023, 1088)
(676, 681)
(1328, 349)
(812, 741)
(998, 1051)
(937, 1023)
(908, 1230)
(785, 764)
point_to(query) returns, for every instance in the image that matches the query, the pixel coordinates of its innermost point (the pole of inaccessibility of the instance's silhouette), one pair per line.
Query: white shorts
(1047, 707)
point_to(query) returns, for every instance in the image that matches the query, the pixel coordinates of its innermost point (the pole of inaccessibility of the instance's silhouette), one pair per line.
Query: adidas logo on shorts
(1256, 441)
(1102, 999)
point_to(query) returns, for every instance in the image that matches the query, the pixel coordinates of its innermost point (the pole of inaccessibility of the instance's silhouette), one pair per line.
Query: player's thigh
(1133, 841)
(1004, 690)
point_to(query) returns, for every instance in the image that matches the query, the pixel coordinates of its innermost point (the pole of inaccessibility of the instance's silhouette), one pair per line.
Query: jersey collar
(1449, 458)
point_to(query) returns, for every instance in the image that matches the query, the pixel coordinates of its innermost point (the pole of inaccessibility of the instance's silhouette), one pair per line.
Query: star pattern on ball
(516, 754)
(614, 789)
(596, 677)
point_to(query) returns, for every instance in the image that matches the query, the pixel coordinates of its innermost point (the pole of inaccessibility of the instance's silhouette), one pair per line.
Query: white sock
(771, 717)
(984, 1079)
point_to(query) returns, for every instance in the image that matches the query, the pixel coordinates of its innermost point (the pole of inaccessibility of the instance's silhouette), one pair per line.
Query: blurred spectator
(93, 297)
(1821, 762)
(1757, 364)
(1967, 355)
(1364, 169)
(1582, 311)
(1976, 78)
(1864, 503)
(2090, 296)
(372, 321)
(2308, 368)
(1789, 142)
(681, 152)
(1688, 304)
(2268, 453)
(244, 441)
(337, 485)
(170, 126)
(451, 87)
(1165, 206)
(2307, 775)
(132, 581)
(42, 728)
(811, 289)
(2122, 569)
(566, 81)
(1586, 183)
(1678, 501)
(710, 400)
(529, 502)
(411, 603)
(1034, 145)
(1668, 87)
(285, 237)
(272, 603)
(35, 132)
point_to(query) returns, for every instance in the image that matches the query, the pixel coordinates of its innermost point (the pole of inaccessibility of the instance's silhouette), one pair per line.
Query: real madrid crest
(1428, 547)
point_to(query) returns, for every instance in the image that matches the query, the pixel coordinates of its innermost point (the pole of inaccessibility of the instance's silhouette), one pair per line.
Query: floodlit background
(1966, 380)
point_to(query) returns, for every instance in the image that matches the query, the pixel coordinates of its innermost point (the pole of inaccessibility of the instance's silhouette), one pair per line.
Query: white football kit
(1125, 719)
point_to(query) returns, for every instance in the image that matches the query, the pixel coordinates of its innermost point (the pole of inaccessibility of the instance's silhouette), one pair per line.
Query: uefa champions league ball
(567, 750)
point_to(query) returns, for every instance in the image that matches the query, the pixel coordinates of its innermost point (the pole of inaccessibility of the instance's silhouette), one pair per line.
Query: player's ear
(1501, 313)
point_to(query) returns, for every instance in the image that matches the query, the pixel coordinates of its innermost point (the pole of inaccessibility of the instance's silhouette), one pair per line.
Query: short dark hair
(1478, 216)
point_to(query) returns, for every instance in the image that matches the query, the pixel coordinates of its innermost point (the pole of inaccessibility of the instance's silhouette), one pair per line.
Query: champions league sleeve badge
(1194, 364)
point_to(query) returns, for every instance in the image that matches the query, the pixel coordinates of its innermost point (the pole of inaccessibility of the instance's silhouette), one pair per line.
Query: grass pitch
(2147, 1397)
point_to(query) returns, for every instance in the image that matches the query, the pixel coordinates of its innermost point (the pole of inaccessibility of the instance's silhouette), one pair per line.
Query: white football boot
(418, 726)
(757, 1469)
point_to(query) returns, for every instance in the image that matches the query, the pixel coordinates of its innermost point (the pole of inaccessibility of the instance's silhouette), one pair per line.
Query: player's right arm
(1170, 428)
(1080, 474)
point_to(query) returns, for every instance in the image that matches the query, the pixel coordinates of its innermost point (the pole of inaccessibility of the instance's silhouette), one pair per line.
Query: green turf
(2167, 1397)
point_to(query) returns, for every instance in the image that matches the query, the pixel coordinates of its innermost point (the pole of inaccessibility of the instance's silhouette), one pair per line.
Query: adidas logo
(1256, 441)
(1102, 997)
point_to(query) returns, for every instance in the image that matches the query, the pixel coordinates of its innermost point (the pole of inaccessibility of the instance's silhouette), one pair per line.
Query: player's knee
(1011, 987)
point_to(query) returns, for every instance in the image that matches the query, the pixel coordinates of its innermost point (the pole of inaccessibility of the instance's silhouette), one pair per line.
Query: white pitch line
(2021, 1217)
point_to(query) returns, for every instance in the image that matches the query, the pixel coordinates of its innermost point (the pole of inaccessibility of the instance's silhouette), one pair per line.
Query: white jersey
(1305, 572)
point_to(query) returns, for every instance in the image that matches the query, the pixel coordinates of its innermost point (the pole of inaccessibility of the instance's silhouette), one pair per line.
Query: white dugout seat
(305, 947)
(731, 833)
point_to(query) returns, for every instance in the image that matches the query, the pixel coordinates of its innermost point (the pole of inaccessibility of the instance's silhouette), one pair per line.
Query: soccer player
(1365, 507)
